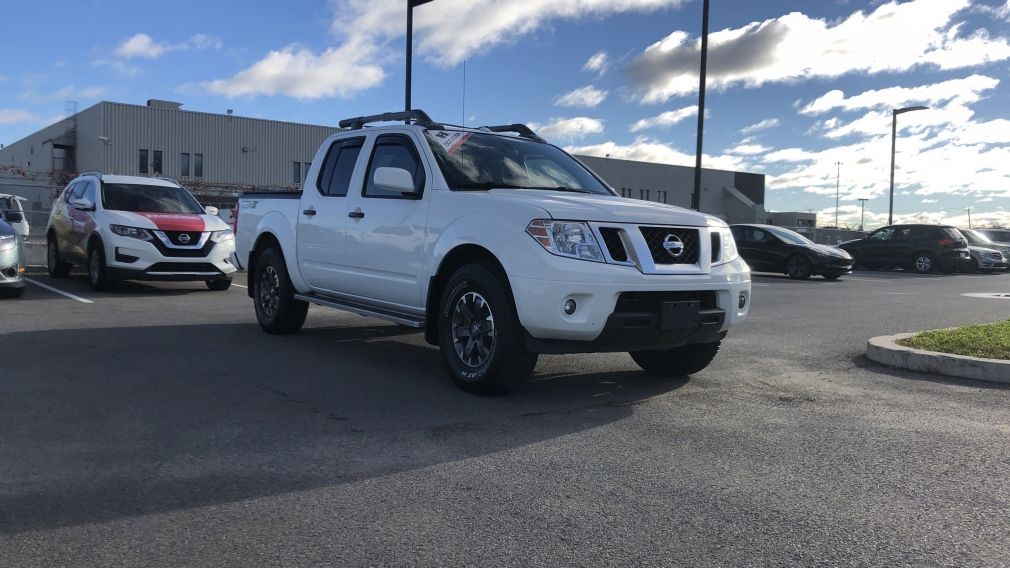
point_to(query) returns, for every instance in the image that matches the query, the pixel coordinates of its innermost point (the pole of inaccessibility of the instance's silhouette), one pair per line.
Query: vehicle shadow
(165, 418)
(783, 277)
(862, 362)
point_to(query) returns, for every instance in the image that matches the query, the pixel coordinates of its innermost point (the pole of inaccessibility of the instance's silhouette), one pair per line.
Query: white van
(10, 202)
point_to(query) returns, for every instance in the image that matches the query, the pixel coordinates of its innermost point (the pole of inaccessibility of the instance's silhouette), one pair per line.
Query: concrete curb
(886, 351)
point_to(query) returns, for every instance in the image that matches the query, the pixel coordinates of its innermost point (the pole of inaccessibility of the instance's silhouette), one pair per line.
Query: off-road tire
(277, 310)
(679, 361)
(497, 360)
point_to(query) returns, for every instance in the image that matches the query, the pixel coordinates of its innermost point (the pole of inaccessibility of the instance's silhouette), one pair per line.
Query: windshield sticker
(451, 140)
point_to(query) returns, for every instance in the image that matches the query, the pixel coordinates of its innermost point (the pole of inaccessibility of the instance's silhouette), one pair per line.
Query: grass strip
(989, 340)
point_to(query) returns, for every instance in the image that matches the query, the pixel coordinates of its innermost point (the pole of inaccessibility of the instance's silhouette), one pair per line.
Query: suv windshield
(790, 237)
(975, 237)
(148, 198)
(473, 160)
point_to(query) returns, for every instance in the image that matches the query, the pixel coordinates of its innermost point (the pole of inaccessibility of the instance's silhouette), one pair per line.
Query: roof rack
(417, 115)
(99, 174)
(521, 129)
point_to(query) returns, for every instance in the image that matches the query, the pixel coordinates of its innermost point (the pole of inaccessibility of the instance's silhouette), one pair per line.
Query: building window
(643, 194)
(660, 197)
(143, 161)
(156, 165)
(296, 172)
(184, 164)
(626, 192)
(198, 165)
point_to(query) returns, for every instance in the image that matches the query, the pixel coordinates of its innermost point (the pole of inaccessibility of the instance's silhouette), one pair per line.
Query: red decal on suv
(176, 221)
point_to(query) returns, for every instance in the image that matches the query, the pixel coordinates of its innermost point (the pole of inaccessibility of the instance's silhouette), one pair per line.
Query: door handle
(356, 214)
(310, 212)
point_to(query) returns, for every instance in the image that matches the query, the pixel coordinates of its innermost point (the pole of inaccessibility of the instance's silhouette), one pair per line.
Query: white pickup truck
(496, 243)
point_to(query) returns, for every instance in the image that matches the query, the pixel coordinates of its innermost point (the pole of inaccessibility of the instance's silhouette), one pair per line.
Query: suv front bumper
(135, 259)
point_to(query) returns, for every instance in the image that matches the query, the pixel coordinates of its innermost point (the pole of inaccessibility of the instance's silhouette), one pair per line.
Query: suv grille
(615, 246)
(177, 238)
(655, 236)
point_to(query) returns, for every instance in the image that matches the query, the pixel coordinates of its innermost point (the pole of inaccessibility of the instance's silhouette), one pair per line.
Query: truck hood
(605, 208)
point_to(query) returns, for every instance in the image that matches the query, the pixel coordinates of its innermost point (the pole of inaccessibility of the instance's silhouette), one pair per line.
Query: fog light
(743, 300)
(570, 307)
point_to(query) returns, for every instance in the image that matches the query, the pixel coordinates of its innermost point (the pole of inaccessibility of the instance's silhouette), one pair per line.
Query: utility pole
(696, 196)
(862, 212)
(968, 209)
(411, 4)
(838, 185)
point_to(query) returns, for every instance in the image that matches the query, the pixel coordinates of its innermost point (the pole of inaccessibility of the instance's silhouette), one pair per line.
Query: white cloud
(568, 128)
(668, 118)
(445, 34)
(118, 67)
(966, 90)
(894, 37)
(650, 150)
(748, 149)
(927, 201)
(759, 126)
(1001, 12)
(143, 46)
(599, 63)
(588, 97)
(17, 116)
(849, 215)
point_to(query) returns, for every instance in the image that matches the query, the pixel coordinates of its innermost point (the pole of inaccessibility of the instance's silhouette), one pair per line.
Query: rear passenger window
(393, 151)
(338, 167)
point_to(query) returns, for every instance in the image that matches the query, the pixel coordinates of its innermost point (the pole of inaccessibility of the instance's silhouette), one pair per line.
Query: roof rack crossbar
(521, 129)
(417, 115)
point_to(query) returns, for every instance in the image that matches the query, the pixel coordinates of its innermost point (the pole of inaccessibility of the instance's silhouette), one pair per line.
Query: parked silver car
(986, 255)
(12, 256)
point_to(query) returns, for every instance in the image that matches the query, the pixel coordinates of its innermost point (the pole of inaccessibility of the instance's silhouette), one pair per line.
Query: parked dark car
(775, 249)
(922, 248)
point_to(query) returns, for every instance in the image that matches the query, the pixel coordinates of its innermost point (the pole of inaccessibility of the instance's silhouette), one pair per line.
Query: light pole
(862, 212)
(838, 185)
(411, 4)
(696, 196)
(968, 209)
(894, 135)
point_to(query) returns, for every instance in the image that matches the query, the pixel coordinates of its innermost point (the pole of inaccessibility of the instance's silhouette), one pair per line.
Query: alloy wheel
(923, 263)
(268, 291)
(473, 330)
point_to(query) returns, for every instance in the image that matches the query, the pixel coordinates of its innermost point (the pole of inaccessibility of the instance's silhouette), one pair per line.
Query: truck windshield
(476, 161)
(148, 198)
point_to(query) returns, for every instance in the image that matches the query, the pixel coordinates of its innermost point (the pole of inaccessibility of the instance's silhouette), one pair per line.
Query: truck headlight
(566, 238)
(727, 251)
(222, 236)
(134, 232)
(7, 242)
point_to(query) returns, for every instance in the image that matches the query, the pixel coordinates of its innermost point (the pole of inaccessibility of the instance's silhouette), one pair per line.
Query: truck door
(322, 216)
(388, 230)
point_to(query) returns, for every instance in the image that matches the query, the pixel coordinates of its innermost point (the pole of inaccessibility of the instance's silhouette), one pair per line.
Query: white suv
(137, 228)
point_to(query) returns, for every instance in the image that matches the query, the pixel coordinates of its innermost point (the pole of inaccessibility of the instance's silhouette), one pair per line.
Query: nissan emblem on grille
(184, 238)
(673, 245)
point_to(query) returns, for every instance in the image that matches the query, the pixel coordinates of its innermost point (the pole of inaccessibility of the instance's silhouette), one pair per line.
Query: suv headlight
(566, 238)
(135, 232)
(7, 242)
(222, 236)
(727, 252)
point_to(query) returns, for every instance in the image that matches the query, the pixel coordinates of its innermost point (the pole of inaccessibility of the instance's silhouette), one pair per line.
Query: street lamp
(862, 212)
(696, 196)
(838, 185)
(894, 135)
(411, 4)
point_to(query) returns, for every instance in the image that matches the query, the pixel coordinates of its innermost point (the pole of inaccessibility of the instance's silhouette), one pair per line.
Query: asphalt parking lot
(157, 425)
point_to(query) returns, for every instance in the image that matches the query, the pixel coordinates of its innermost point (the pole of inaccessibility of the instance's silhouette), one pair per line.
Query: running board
(363, 310)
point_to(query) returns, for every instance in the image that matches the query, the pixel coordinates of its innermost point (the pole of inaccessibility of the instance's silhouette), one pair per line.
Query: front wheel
(98, 272)
(479, 333)
(54, 264)
(219, 285)
(277, 310)
(799, 267)
(679, 361)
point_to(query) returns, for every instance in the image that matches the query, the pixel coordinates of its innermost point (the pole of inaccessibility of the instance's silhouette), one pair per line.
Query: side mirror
(13, 216)
(82, 204)
(395, 179)
(211, 210)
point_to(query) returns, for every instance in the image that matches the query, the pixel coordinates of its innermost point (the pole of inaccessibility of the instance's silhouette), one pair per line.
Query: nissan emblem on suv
(673, 245)
(184, 239)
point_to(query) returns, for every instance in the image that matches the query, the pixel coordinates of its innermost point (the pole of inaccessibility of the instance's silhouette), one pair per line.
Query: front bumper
(135, 259)
(12, 268)
(833, 265)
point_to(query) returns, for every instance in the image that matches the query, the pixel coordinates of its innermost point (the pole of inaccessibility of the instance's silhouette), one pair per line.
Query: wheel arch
(264, 241)
(455, 259)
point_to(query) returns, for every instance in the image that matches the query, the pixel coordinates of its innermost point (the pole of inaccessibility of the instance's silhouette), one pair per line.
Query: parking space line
(60, 292)
(239, 285)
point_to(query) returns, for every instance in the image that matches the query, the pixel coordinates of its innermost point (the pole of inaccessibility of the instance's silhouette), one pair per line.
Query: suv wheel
(277, 310)
(479, 333)
(799, 267)
(98, 272)
(923, 263)
(679, 361)
(54, 264)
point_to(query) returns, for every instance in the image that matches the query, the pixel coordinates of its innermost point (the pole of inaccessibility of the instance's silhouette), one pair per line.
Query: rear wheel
(98, 272)
(679, 361)
(277, 310)
(923, 263)
(479, 333)
(799, 267)
(54, 264)
(219, 285)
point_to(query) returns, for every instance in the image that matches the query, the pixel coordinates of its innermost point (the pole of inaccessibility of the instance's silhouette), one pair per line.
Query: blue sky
(794, 86)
